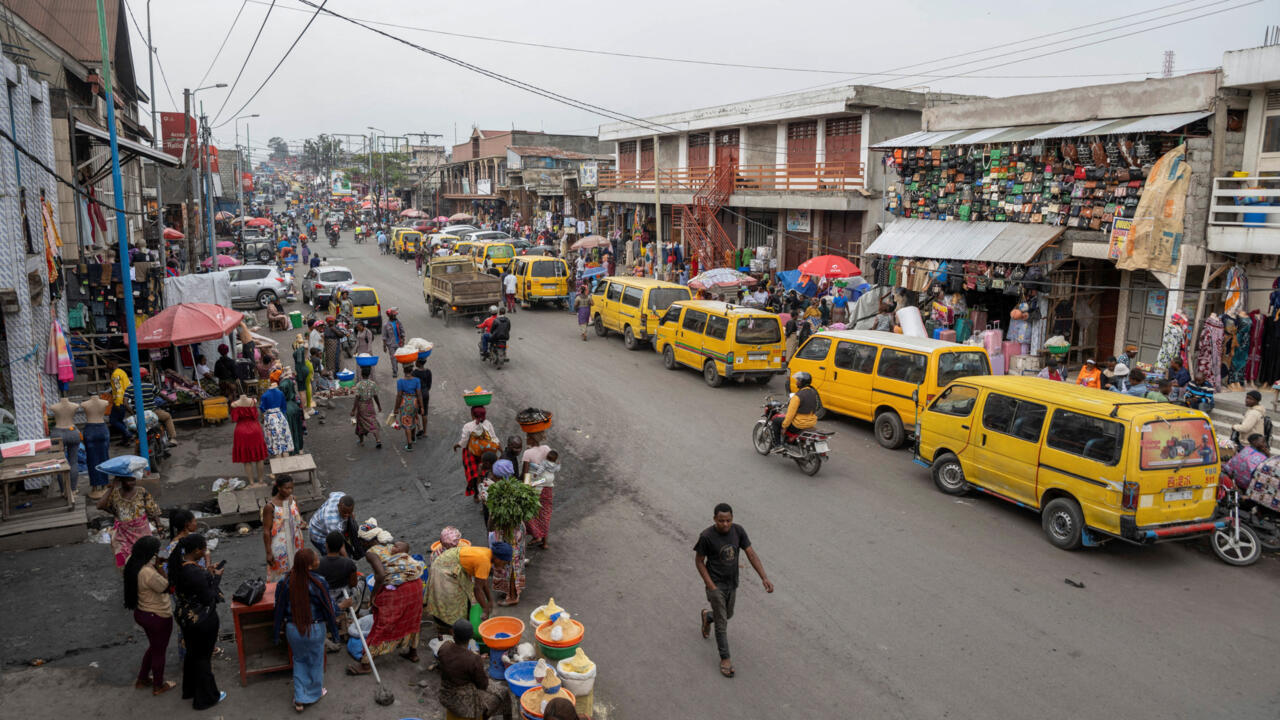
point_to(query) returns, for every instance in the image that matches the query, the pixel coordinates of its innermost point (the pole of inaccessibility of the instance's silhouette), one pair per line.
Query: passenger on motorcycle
(495, 328)
(1241, 467)
(800, 410)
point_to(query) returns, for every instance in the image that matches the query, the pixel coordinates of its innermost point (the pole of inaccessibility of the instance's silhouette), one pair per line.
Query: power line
(74, 188)
(691, 61)
(245, 64)
(165, 78)
(150, 50)
(223, 45)
(277, 67)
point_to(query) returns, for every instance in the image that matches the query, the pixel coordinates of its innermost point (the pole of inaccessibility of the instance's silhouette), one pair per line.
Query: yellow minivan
(366, 307)
(404, 242)
(871, 375)
(540, 278)
(1095, 464)
(493, 257)
(632, 306)
(725, 342)
(465, 247)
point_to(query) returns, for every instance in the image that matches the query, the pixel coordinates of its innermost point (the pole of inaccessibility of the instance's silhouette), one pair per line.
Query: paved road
(892, 599)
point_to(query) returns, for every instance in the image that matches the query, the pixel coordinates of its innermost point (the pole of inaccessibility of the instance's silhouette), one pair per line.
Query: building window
(1271, 123)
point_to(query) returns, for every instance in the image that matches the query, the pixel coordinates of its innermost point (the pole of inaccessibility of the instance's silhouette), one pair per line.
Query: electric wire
(4, 135)
(245, 64)
(227, 37)
(152, 50)
(278, 64)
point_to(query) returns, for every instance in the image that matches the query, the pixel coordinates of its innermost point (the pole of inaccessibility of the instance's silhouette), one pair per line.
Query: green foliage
(511, 503)
(279, 148)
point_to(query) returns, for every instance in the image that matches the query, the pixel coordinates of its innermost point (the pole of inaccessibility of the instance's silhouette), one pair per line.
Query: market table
(255, 649)
(46, 462)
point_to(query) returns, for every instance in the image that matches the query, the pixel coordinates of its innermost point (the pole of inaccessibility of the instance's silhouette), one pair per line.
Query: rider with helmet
(801, 410)
(495, 327)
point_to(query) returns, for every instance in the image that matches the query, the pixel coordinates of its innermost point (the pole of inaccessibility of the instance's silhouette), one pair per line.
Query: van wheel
(629, 339)
(600, 328)
(711, 375)
(669, 357)
(889, 431)
(948, 475)
(1063, 523)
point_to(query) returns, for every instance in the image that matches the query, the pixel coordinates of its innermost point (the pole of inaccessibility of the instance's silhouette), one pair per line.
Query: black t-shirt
(336, 571)
(721, 553)
(424, 376)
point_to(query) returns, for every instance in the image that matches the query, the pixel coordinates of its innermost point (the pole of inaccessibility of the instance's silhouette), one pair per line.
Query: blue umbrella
(790, 280)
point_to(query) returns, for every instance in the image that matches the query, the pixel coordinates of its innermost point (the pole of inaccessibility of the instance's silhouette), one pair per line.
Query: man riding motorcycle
(801, 410)
(495, 328)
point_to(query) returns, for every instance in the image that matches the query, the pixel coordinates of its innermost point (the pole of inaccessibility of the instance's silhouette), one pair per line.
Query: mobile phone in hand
(220, 565)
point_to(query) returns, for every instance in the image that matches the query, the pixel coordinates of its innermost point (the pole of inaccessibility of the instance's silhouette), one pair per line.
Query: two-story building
(543, 179)
(476, 180)
(789, 173)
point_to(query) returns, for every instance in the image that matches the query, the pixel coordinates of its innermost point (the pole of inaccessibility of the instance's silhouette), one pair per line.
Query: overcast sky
(342, 78)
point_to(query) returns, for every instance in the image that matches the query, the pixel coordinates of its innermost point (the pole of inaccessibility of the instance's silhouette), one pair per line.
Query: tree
(321, 154)
(279, 148)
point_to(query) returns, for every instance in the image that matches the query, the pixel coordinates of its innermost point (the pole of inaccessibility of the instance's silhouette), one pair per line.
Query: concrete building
(475, 180)
(792, 171)
(543, 180)
(1053, 181)
(58, 42)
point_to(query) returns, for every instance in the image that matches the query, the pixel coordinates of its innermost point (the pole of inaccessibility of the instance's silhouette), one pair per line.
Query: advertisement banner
(588, 175)
(1155, 241)
(1119, 237)
(213, 159)
(1180, 443)
(246, 182)
(173, 133)
(797, 221)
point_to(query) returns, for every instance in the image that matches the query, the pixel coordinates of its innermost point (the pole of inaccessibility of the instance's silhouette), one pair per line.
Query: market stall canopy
(588, 242)
(223, 261)
(459, 217)
(1019, 133)
(411, 213)
(721, 278)
(829, 266)
(225, 245)
(1004, 242)
(258, 222)
(187, 323)
(441, 218)
(171, 234)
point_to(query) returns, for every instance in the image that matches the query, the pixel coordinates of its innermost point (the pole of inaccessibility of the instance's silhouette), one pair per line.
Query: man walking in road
(716, 556)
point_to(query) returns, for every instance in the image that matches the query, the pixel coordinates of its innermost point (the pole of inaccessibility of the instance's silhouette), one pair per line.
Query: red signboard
(213, 159)
(173, 134)
(246, 181)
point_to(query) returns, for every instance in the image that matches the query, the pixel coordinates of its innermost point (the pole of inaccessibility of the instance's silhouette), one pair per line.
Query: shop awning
(1019, 133)
(1003, 242)
(128, 147)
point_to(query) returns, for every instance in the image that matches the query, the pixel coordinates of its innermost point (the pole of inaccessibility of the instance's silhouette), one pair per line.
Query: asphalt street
(893, 600)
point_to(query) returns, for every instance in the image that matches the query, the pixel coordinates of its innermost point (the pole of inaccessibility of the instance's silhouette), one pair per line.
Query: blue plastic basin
(520, 677)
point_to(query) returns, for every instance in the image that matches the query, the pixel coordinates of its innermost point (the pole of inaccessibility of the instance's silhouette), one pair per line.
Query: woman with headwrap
(449, 538)
(397, 597)
(302, 367)
(365, 408)
(292, 409)
(452, 583)
(509, 579)
(477, 436)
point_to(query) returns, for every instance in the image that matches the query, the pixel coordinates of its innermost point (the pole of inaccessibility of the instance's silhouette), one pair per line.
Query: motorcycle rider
(496, 328)
(486, 329)
(801, 410)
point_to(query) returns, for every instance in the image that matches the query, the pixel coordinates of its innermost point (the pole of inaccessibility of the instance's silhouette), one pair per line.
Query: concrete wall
(884, 125)
(1147, 97)
(669, 152)
(1251, 67)
(1199, 156)
(761, 145)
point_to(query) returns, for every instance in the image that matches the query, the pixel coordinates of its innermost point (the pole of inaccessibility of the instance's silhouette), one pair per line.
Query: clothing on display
(1209, 351)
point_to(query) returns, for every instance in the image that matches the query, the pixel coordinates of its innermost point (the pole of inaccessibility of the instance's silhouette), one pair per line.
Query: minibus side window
(695, 321)
(1089, 437)
(615, 291)
(1010, 416)
(957, 400)
(717, 327)
(904, 366)
(815, 349)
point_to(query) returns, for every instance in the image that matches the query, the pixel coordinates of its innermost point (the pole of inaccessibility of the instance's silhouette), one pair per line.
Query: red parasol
(411, 213)
(171, 234)
(258, 222)
(829, 266)
(187, 323)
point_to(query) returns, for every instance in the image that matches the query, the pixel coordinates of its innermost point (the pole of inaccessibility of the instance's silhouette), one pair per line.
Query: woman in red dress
(248, 445)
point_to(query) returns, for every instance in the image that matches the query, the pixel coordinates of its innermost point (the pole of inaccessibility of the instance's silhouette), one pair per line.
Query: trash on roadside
(101, 537)
(224, 484)
(1073, 583)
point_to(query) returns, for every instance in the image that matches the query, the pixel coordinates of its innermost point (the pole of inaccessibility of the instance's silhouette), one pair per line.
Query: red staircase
(706, 239)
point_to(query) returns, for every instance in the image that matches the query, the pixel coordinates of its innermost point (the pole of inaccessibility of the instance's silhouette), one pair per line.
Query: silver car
(319, 282)
(258, 284)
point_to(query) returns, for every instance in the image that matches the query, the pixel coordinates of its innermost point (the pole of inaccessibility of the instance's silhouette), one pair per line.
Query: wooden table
(255, 649)
(46, 462)
(295, 465)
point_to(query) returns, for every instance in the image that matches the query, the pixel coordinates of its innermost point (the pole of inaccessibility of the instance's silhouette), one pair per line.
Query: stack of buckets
(580, 685)
(346, 378)
(295, 319)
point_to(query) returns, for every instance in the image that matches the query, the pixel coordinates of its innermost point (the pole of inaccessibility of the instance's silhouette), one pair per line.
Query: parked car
(458, 230)
(261, 249)
(259, 284)
(319, 282)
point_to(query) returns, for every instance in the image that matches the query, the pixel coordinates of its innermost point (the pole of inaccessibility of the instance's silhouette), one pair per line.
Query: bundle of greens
(512, 503)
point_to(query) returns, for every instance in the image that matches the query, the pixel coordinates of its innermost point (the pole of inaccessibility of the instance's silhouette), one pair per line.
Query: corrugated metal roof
(1016, 243)
(1111, 126)
(129, 145)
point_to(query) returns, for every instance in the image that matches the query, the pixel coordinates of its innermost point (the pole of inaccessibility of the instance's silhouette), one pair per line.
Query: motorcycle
(497, 354)
(359, 237)
(1238, 543)
(807, 448)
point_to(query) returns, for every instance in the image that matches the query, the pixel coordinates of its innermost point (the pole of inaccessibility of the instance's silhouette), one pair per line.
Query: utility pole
(122, 234)
(205, 133)
(657, 209)
(188, 142)
(151, 73)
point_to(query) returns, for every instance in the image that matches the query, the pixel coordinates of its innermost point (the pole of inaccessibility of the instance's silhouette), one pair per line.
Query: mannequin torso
(64, 413)
(95, 410)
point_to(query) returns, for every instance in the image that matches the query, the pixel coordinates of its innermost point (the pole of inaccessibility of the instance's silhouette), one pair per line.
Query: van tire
(669, 358)
(711, 375)
(601, 330)
(629, 339)
(889, 431)
(948, 475)
(1063, 523)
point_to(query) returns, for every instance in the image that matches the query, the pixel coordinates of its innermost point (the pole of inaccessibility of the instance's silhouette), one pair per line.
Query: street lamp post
(377, 198)
(239, 172)
(188, 102)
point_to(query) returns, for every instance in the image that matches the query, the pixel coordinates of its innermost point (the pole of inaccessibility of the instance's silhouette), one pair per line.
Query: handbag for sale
(250, 592)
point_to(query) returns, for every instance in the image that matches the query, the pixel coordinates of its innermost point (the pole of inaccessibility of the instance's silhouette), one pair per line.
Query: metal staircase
(702, 232)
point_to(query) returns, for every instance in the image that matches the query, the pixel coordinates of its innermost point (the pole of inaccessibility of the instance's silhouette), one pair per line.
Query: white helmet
(493, 309)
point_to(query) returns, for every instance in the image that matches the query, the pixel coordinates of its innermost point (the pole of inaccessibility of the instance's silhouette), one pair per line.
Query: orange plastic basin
(531, 700)
(573, 637)
(491, 628)
(462, 542)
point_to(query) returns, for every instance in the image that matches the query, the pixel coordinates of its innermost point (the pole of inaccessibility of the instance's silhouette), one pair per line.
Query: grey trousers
(721, 611)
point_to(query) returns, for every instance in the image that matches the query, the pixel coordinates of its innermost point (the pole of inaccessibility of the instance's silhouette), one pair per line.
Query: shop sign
(588, 174)
(1156, 302)
(1119, 237)
(797, 221)
(484, 187)
(172, 134)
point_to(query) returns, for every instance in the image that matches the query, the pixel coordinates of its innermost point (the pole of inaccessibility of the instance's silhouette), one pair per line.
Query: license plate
(820, 447)
(548, 286)
(1176, 495)
(757, 357)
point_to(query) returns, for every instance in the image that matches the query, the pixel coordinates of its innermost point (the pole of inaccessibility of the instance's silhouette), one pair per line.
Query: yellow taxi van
(632, 306)
(541, 279)
(724, 341)
(404, 242)
(872, 375)
(366, 307)
(1095, 464)
(493, 257)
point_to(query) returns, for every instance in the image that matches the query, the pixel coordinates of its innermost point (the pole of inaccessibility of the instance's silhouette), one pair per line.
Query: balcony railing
(1242, 202)
(789, 177)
